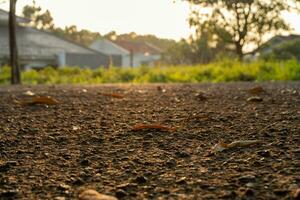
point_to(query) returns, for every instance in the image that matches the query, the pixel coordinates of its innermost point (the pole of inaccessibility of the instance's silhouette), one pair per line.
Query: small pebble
(141, 179)
(255, 99)
(121, 193)
(94, 195)
(182, 154)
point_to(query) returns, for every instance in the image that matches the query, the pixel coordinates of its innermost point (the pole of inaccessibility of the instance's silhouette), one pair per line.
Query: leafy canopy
(241, 22)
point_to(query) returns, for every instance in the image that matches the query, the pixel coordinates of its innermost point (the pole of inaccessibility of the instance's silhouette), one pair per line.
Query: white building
(128, 53)
(38, 49)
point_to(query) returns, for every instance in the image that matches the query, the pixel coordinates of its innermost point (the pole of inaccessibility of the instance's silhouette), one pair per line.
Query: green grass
(225, 71)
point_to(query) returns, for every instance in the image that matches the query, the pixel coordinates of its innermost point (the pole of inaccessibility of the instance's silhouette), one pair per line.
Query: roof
(4, 16)
(138, 47)
(37, 43)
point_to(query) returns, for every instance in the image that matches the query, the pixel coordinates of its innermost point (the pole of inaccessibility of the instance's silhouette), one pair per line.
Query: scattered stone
(255, 99)
(160, 89)
(227, 195)
(296, 194)
(264, 153)
(78, 181)
(201, 96)
(250, 185)
(249, 192)
(8, 194)
(85, 162)
(181, 181)
(4, 166)
(94, 195)
(247, 179)
(60, 198)
(64, 187)
(171, 163)
(121, 193)
(182, 154)
(141, 179)
(127, 186)
(281, 192)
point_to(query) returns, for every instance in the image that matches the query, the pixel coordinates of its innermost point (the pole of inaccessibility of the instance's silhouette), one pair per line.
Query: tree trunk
(239, 51)
(15, 70)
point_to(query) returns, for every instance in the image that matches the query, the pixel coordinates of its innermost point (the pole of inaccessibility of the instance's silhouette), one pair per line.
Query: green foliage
(286, 51)
(241, 22)
(40, 20)
(222, 71)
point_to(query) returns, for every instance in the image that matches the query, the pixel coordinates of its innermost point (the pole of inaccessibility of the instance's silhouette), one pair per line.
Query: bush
(222, 71)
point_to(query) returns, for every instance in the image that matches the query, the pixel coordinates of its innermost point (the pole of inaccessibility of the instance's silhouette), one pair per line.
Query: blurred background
(108, 41)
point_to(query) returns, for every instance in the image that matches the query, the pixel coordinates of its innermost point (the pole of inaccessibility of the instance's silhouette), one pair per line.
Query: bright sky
(163, 18)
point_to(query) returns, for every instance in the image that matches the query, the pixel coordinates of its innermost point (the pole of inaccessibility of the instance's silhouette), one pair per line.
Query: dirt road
(90, 140)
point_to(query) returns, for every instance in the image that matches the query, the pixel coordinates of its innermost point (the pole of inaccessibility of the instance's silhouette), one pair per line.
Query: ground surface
(86, 141)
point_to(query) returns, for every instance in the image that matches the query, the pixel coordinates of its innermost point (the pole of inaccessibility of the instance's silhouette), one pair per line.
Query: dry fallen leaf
(94, 195)
(46, 100)
(159, 127)
(238, 143)
(113, 95)
(256, 90)
(243, 143)
(219, 147)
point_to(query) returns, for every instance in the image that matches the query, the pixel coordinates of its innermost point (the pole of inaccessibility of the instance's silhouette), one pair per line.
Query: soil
(87, 141)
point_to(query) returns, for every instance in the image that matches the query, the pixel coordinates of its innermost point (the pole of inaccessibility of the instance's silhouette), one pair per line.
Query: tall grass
(224, 71)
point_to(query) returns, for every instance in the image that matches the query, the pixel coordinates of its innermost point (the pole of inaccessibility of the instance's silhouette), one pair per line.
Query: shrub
(221, 71)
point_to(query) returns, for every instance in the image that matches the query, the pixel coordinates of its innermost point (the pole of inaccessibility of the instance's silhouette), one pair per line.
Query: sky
(163, 18)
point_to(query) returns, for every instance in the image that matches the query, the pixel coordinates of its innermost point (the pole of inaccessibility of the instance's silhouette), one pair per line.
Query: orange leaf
(159, 127)
(113, 95)
(46, 100)
(256, 90)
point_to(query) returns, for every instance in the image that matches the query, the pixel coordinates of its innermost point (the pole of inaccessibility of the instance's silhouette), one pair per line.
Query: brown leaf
(221, 146)
(256, 90)
(46, 100)
(243, 143)
(159, 127)
(113, 95)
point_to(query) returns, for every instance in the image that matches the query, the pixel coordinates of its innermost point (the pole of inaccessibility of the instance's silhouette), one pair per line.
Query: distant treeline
(223, 32)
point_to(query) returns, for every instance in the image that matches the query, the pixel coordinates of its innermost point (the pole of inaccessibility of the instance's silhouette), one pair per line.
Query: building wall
(46, 48)
(86, 60)
(139, 60)
(142, 59)
(110, 48)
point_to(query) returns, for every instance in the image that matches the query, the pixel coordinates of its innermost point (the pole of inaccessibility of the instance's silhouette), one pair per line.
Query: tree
(15, 69)
(241, 22)
(39, 19)
(44, 21)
